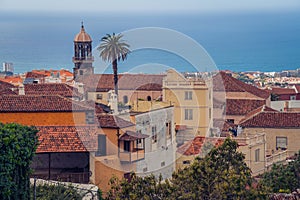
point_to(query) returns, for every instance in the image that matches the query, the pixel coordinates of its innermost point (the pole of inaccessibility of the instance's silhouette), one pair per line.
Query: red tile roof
(131, 136)
(66, 139)
(272, 120)
(111, 121)
(297, 88)
(281, 91)
(242, 106)
(194, 147)
(260, 109)
(105, 82)
(51, 89)
(34, 75)
(223, 81)
(28, 103)
(15, 80)
(7, 88)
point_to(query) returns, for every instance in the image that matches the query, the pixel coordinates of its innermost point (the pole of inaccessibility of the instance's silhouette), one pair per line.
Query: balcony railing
(187, 84)
(277, 158)
(75, 177)
(133, 156)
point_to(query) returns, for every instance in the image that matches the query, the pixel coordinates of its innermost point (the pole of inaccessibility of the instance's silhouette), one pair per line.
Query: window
(145, 169)
(293, 97)
(257, 152)
(99, 96)
(101, 145)
(80, 72)
(125, 99)
(126, 145)
(162, 164)
(154, 134)
(281, 143)
(188, 114)
(148, 98)
(168, 130)
(89, 117)
(188, 95)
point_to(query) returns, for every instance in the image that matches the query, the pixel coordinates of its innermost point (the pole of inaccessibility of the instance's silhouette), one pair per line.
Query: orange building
(44, 111)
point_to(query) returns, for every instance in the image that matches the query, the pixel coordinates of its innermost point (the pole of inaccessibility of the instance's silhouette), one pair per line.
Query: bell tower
(83, 58)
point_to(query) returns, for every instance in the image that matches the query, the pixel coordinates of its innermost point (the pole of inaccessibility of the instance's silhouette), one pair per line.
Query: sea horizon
(265, 42)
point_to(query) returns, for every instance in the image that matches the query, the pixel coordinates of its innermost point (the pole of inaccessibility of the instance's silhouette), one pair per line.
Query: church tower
(83, 59)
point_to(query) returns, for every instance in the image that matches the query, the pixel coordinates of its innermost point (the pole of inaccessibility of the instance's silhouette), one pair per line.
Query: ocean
(237, 41)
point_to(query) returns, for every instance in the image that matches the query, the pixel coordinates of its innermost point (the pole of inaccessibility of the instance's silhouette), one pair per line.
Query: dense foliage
(57, 191)
(17, 147)
(283, 178)
(221, 174)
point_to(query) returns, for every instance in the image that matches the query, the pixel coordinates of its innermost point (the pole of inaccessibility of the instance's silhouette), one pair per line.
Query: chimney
(21, 89)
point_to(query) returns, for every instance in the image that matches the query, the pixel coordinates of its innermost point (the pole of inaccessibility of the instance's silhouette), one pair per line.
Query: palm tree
(113, 49)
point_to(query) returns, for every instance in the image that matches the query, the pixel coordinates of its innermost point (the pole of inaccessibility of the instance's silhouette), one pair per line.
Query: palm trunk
(115, 69)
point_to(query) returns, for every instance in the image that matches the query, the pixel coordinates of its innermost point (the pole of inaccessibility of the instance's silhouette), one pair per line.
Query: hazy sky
(150, 5)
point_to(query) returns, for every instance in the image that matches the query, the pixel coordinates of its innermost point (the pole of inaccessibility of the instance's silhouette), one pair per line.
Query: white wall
(159, 156)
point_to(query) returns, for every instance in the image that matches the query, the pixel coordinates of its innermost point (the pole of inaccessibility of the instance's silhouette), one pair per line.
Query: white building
(8, 67)
(160, 146)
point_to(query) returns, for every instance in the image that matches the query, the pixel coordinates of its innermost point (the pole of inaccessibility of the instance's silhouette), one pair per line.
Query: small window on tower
(80, 72)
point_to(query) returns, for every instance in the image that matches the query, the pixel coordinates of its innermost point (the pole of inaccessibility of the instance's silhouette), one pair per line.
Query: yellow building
(281, 130)
(252, 146)
(192, 103)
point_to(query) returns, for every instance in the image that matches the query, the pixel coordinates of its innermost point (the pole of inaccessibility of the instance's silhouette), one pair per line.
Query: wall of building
(105, 168)
(45, 118)
(286, 105)
(159, 155)
(292, 136)
(132, 95)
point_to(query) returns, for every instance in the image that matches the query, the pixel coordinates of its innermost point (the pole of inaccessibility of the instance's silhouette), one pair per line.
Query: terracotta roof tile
(66, 139)
(242, 106)
(149, 82)
(14, 80)
(297, 88)
(30, 103)
(273, 120)
(223, 81)
(111, 121)
(34, 75)
(281, 91)
(51, 89)
(7, 88)
(131, 136)
(194, 147)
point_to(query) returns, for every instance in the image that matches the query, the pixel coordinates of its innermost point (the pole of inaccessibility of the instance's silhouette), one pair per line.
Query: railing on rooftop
(184, 84)
(126, 156)
(277, 158)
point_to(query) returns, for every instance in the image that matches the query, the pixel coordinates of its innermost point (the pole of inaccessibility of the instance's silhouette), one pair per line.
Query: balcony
(137, 154)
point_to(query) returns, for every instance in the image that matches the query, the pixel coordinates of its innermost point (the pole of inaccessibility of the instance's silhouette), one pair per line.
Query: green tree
(283, 178)
(113, 49)
(221, 174)
(57, 191)
(139, 188)
(17, 147)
